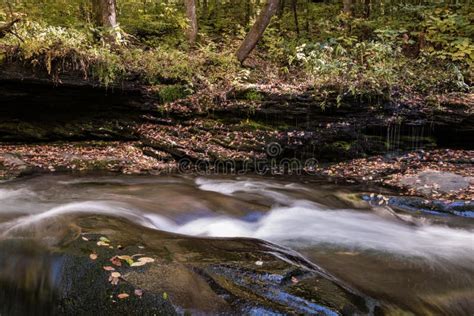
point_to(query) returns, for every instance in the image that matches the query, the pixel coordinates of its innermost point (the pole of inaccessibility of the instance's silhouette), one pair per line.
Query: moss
(341, 145)
(253, 95)
(170, 93)
(253, 125)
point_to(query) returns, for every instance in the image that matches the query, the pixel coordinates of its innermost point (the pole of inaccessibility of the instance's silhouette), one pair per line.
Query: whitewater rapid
(290, 222)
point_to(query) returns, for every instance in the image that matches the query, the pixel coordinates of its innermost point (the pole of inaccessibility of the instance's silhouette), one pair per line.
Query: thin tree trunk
(281, 8)
(295, 16)
(255, 34)
(193, 24)
(367, 5)
(105, 13)
(347, 6)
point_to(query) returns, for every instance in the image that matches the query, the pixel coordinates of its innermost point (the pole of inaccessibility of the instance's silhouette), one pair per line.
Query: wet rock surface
(417, 173)
(445, 182)
(187, 275)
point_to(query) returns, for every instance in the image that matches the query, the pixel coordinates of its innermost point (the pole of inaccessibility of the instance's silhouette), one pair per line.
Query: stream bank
(75, 125)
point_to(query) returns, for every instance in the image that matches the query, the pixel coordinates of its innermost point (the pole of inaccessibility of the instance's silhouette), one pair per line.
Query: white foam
(264, 188)
(293, 223)
(87, 207)
(307, 225)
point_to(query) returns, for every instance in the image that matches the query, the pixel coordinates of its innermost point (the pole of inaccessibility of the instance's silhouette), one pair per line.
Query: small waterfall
(417, 134)
(393, 137)
(404, 137)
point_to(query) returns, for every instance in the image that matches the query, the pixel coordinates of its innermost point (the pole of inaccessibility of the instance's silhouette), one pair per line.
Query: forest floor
(136, 158)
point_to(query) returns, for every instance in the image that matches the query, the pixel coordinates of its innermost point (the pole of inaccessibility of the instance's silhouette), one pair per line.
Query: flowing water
(413, 262)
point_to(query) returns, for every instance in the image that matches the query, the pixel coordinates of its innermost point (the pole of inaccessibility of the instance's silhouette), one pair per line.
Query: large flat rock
(428, 181)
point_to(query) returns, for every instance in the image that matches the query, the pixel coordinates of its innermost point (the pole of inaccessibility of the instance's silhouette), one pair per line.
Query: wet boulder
(109, 266)
(427, 181)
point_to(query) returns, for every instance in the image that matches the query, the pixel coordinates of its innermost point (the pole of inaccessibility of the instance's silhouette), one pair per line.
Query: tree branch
(6, 28)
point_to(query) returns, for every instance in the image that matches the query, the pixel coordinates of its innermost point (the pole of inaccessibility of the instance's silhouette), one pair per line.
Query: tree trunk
(255, 34)
(295, 16)
(193, 24)
(347, 6)
(105, 13)
(367, 10)
(281, 8)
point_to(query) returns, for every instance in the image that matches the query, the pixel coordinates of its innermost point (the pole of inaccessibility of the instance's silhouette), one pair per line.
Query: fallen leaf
(259, 263)
(138, 264)
(104, 239)
(115, 275)
(294, 280)
(85, 239)
(114, 281)
(102, 244)
(128, 259)
(146, 259)
(123, 296)
(165, 295)
(93, 256)
(116, 261)
(109, 268)
(139, 292)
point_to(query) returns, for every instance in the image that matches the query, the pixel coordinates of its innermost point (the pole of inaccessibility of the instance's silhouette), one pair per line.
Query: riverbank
(403, 172)
(63, 118)
(71, 127)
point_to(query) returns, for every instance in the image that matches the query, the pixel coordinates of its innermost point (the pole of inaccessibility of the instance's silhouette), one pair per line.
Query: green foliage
(151, 20)
(252, 95)
(172, 93)
(67, 13)
(450, 36)
(425, 49)
(354, 67)
(400, 47)
(59, 49)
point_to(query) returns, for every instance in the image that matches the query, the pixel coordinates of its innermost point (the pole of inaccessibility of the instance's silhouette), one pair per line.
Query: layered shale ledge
(38, 108)
(69, 123)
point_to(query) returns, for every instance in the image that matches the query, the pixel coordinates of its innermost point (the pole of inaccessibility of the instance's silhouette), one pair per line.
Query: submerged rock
(436, 207)
(187, 275)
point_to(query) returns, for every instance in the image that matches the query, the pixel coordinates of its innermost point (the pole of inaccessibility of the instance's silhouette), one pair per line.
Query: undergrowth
(411, 49)
(58, 50)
